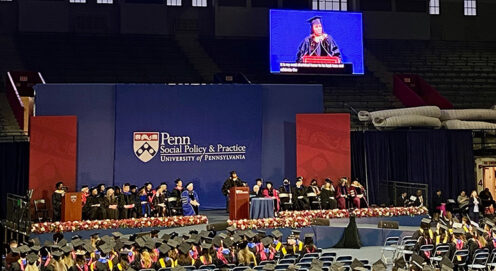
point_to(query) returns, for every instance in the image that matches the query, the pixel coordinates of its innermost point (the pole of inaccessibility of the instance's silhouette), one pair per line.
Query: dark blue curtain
(14, 171)
(442, 159)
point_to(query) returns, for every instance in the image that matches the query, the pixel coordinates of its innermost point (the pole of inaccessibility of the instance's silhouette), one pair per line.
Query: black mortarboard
(164, 249)
(222, 235)
(62, 242)
(165, 237)
(356, 263)
(57, 253)
(140, 242)
(24, 249)
(66, 249)
(446, 262)
(458, 231)
(88, 248)
(184, 248)
(117, 234)
(15, 250)
(425, 221)
(379, 265)
(250, 234)
(118, 245)
(95, 235)
(309, 235)
(77, 242)
(188, 184)
(231, 229)
(428, 268)
(315, 20)
(228, 242)
(276, 234)
(236, 238)
(172, 243)
(269, 267)
(443, 227)
(206, 246)
(150, 245)
(217, 241)
(105, 248)
(32, 258)
(154, 232)
(296, 233)
(35, 248)
(417, 260)
(267, 241)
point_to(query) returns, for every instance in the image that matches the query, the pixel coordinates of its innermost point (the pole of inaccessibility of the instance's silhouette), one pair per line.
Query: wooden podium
(239, 203)
(72, 207)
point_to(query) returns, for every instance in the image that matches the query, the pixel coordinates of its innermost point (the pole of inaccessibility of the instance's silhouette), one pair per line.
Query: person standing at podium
(190, 201)
(232, 181)
(318, 43)
(57, 196)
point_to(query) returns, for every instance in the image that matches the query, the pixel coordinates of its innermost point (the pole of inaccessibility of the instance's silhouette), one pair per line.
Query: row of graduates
(132, 202)
(458, 235)
(301, 197)
(148, 251)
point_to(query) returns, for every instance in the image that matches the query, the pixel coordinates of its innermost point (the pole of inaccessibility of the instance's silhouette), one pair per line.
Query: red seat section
(413, 90)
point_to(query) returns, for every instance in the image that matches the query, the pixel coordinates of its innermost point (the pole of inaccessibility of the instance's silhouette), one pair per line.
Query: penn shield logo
(145, 145)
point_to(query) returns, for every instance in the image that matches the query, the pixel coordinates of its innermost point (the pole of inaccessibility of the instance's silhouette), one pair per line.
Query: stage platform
(325, 236)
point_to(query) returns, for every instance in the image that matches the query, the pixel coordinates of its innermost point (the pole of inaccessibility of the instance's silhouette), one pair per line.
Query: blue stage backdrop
(93, 104)
(198, 133)
(288, 28)
(255, 124)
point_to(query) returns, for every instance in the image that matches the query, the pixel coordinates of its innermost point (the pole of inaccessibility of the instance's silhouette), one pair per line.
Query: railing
(393, 190)
(15, 100)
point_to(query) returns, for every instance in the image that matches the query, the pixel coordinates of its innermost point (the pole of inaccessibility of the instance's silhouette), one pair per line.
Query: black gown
(57, 206)
(301, 203)
(94, 212)
(328, 199)
(110, 213)
(126, 199)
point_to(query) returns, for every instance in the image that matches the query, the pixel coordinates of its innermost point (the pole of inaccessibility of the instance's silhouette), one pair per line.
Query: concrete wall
(158, 19)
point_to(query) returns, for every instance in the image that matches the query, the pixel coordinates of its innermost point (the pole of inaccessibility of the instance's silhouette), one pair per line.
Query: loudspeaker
(320, 222)
(388, 225)
(221, 226)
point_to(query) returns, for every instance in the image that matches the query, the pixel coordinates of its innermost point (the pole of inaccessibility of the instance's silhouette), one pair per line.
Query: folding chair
(390, 246)
(479, 261)
(344, 258)
(439, 252)
(40, 207)
(460, 258)
(311, 255)
(287, 261)
(328, 254)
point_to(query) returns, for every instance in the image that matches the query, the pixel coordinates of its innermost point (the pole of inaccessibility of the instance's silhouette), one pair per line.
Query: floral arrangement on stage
(300, 219)
(71, 226)
(277, 222)
(365, 212)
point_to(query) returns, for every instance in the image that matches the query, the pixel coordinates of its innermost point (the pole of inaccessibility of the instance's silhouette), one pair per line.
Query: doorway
(489, 179)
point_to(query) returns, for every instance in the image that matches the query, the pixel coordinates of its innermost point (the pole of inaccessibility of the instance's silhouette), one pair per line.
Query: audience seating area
(304, 263)
(105, 59)
(458, 70)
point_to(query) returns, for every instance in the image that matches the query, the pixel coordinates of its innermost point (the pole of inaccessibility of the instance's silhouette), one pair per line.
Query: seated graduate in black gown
(93, 205)
(328, 195)
(318, 43)
(300, 200)
(57, 196)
